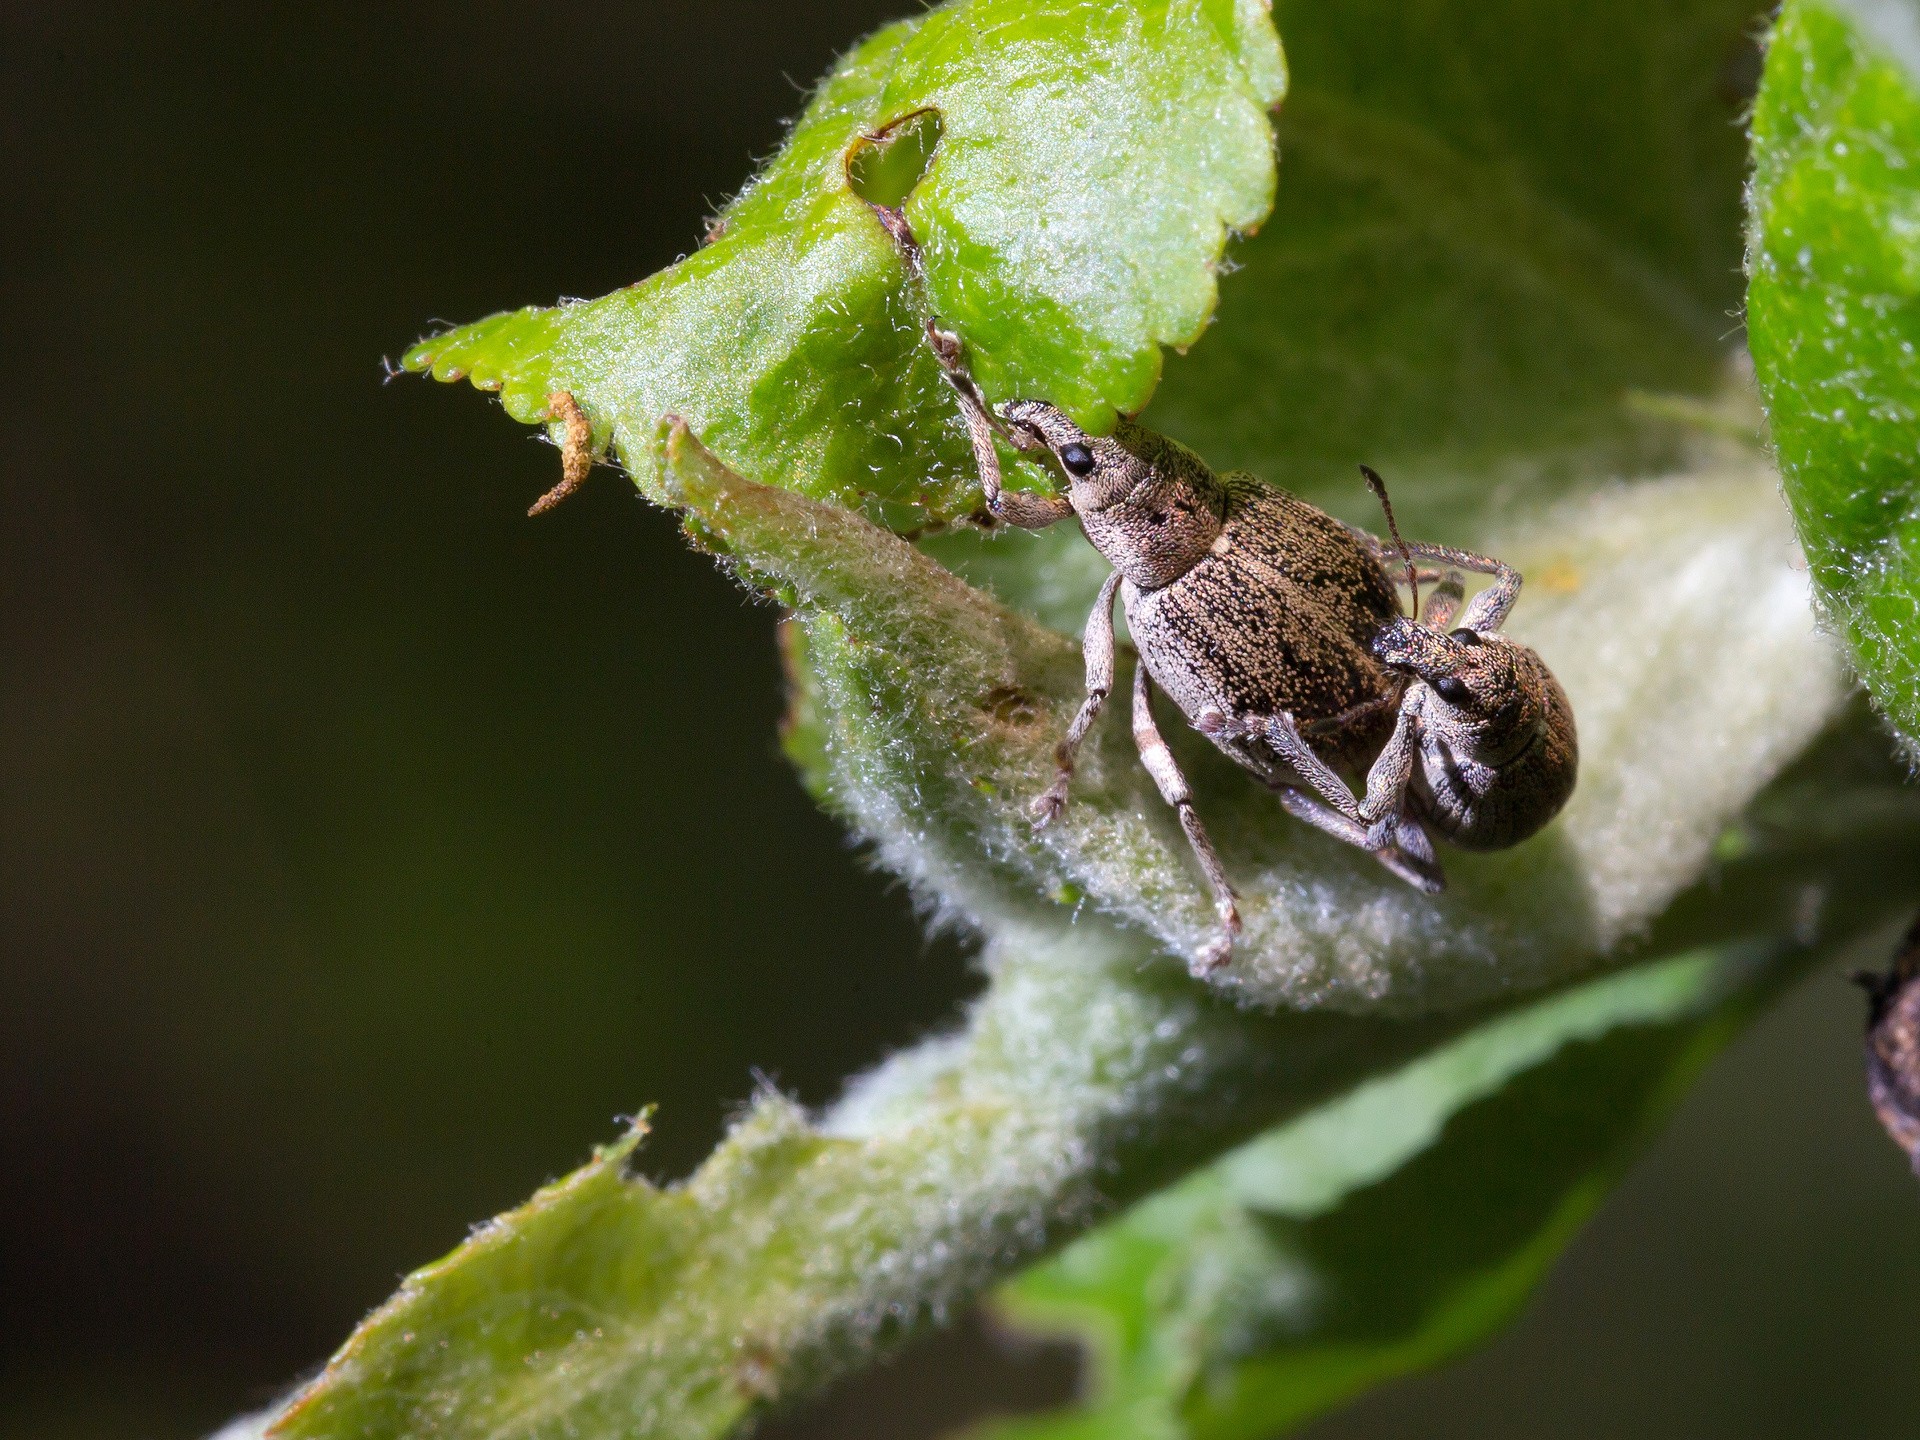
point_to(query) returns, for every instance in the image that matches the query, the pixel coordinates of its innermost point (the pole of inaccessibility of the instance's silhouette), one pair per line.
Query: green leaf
(1381, 1233)
(1071, 226)
(1498, 223)
(1090, 161)
(1834, 316)
(1502, 288)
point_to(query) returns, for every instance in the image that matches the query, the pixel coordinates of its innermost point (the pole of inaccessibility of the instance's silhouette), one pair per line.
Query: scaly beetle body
(1240, 598)
(1484, 749)
(1278, 631)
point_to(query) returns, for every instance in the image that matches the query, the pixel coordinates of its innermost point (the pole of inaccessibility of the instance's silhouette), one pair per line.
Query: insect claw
(1218, 951)
(1215, 954)
(1047, 807)
(945, 345)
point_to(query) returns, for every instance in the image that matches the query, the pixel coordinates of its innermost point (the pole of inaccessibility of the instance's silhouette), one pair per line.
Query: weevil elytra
(1278, 631)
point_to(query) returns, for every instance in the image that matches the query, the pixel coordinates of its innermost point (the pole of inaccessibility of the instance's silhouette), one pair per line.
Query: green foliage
(1381, 1233)
(1834, 316)
(1504, 238)
(610, 1306)
(1497, 223)
(1130, 136)
(1405, 1221)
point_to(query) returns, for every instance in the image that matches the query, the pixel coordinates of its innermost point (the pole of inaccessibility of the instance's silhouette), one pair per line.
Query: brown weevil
(1483, 749)
(1279, 633)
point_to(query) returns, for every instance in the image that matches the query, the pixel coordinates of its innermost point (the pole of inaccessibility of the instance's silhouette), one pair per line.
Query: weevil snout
(1036, 425)
(1416, 649)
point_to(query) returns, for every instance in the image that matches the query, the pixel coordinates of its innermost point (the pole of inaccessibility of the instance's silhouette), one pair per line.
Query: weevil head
(1489, 693)
(1149, 505)
(1099, 470)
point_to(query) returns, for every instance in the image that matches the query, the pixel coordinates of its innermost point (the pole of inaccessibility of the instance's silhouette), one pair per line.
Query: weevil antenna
(1379, 488)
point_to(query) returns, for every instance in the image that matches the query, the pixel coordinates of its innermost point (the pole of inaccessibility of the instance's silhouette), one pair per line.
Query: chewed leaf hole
(883, 168)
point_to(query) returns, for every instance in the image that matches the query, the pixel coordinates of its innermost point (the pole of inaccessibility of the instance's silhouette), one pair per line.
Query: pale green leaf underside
(1834, 313)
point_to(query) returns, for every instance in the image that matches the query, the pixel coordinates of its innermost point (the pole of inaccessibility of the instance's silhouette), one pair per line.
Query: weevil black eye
(1077, 458)
(1452, 689)
(1464, 637)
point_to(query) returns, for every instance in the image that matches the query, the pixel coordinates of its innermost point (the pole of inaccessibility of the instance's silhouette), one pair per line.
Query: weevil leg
(1412, 862)
(1412, 857)
(1161, 765)
(1098, 648)
(1284, 738)
(1489, 609)
(1303, 806)
(1282, 735)
(1392, 770)
(1443, 601)
(1410, 837)
(1424, 874)
(1014, 507)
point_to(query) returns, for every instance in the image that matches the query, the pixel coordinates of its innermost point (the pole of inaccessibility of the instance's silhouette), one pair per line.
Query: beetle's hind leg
(1282, 736)
(1490, 607)
(1165, 771)
(1443, 601)
(1409, 855)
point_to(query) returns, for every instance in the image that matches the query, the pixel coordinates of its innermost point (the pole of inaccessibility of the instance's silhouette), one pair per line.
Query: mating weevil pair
(1278, 631)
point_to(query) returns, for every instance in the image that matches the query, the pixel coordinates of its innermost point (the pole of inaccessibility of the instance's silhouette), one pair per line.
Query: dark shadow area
(365, 847)
(1754, 1277)
(960, 1375)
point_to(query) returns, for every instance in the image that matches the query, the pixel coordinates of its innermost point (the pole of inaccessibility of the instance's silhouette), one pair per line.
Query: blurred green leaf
(1382, 1233)
(1497, 224)
(1834, 316)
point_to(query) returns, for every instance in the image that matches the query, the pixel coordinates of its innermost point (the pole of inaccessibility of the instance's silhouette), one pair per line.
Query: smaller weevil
(1483, 750)
(1278, 631)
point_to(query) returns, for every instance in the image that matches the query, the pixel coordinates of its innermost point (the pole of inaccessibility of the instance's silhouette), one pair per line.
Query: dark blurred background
(366, 848)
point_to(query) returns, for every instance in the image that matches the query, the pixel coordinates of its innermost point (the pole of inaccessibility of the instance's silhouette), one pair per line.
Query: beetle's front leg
(1284, 739)
(1174, 789)
(1098, 647)
(1489, 609)
(1014, 507)
(1392, 772)
(1379, 824)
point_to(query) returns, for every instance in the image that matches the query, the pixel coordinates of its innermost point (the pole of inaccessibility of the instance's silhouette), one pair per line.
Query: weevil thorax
(1491, 696)
(1149, 505)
